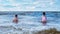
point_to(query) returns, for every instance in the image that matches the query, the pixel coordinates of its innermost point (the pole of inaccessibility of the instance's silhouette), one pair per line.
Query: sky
(29, 5)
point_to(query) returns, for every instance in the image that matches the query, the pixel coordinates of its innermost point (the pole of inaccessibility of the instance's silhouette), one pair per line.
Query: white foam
(28, 23)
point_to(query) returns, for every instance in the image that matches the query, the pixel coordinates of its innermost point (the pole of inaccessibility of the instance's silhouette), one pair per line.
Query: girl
(44, 19)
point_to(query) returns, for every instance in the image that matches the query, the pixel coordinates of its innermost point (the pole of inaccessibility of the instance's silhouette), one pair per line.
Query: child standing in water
(44, 19)
(15, 19)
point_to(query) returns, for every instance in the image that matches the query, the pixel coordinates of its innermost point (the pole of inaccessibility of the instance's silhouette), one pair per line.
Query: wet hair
(43, 13)
(16, 15)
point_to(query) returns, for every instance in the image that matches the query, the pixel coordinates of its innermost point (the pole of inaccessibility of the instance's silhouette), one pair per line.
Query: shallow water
(28, 23)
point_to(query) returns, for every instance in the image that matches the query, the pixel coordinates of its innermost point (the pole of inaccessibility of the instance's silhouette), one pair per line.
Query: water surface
(28, 22)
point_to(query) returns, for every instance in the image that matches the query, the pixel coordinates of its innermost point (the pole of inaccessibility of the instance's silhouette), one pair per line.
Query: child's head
(16, 15)
(43, 13)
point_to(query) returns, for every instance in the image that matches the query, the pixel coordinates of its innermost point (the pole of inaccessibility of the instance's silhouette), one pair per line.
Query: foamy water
(27, 24)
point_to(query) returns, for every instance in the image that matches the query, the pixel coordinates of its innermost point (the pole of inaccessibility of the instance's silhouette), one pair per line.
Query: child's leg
(44, 22)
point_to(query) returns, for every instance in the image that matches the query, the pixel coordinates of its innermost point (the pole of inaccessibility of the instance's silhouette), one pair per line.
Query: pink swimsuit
(43, 18)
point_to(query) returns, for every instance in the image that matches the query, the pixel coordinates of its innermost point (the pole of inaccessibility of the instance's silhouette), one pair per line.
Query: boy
(15, 19)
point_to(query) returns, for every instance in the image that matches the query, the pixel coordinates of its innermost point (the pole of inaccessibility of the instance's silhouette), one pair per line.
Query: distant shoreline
(24, 12)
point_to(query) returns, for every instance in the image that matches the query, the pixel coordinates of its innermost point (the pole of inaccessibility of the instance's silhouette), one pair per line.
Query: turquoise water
(28, 22)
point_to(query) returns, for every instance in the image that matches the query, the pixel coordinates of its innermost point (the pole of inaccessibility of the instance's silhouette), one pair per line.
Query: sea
(29, 22)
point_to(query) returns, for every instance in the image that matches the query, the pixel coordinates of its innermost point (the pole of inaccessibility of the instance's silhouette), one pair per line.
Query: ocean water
(29, 22)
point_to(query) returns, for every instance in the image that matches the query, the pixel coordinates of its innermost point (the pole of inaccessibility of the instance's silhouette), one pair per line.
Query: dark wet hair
(16, 15)
(43, 13)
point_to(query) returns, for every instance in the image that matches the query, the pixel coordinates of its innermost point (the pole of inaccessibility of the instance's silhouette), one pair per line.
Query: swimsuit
(43, 18)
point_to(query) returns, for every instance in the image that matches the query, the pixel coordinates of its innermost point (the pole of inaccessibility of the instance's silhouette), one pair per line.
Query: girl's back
(44, 19)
